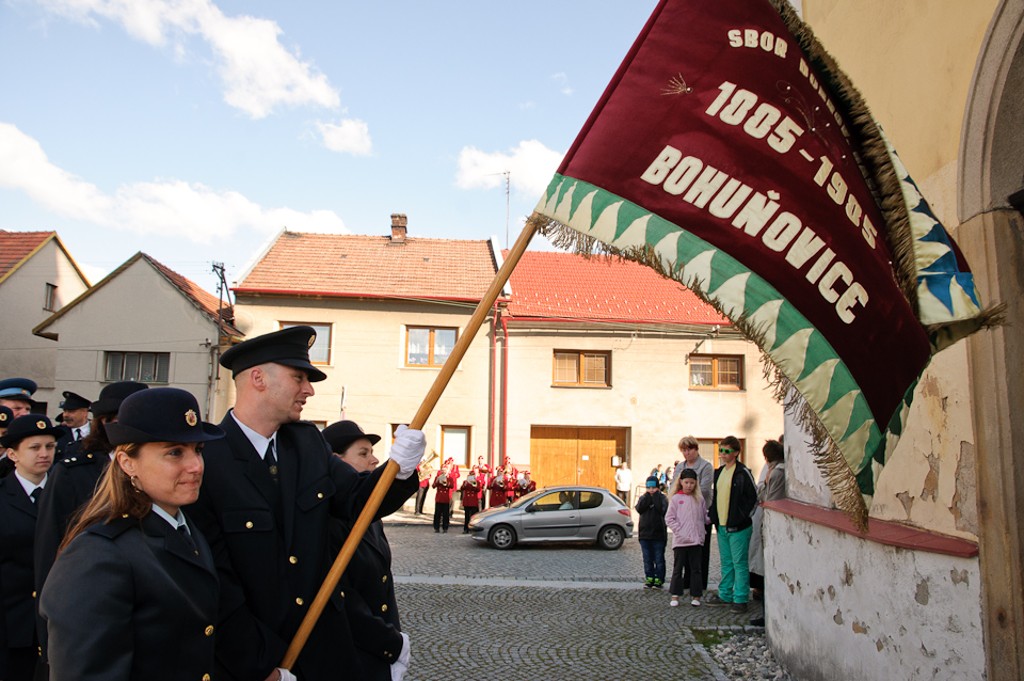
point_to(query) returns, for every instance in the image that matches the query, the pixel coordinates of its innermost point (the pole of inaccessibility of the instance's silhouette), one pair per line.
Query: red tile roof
(16, 246)
(552, 285)
(300, 263)
(203, 299)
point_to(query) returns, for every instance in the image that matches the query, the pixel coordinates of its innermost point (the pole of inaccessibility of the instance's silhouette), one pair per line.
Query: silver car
(556, 514)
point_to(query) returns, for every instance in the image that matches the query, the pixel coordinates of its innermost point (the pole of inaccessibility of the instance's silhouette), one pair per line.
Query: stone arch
(991, 233)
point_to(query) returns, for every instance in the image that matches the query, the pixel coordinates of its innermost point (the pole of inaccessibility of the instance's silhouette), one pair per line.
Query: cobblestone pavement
(543, 611)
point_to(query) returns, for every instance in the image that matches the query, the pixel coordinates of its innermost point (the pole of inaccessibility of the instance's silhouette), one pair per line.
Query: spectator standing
(735, 497)
(773, 487)
(623, 482)
(687, 515)
(692, 460)
(652, 533)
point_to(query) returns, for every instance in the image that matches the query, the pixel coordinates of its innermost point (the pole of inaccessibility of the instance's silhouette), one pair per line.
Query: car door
(551, 517)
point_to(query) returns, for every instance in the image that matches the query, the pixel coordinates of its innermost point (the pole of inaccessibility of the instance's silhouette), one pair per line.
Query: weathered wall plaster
(881, 611)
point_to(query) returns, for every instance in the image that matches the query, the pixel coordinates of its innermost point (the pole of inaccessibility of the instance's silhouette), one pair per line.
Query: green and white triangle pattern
(802, 354)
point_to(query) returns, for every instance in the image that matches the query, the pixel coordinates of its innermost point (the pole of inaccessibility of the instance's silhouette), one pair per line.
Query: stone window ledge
(879, 531)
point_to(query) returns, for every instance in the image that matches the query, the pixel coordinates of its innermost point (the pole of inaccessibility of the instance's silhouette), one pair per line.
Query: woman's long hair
(115, 497)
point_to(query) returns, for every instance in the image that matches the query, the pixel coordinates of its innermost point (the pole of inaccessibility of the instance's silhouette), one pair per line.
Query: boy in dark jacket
(653, 533)
(734, 500)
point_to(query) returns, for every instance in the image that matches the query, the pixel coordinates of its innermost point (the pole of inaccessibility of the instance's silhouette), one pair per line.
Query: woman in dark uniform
(133, 594)
(367, 584)
(30, 443)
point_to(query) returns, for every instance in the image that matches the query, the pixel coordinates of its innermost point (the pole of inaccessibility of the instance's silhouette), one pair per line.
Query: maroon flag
(729, 153)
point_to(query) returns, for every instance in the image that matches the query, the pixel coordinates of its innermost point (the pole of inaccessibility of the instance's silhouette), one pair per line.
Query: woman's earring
(135, 483)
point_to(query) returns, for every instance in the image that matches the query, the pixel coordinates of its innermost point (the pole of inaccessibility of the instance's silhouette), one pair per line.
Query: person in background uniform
(423, 475)
(443, 498)
(133, 595)
(497, 488)
(270, 489)
(30, 442)
(367, 583)
(74, 417)
(483, 478)
(705, 470)
(74, 477)
(6, 465)
(16, 394)
(524, 485)
(470, 498)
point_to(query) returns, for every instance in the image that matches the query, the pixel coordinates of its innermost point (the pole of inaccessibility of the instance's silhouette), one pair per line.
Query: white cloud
(530, 166)
(257, 72)
(194, 211)
(562, 81)
(349, 136)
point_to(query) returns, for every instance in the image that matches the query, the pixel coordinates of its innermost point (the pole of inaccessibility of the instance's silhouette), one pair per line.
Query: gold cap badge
(41, 425)
(190, 417)
(312, 339)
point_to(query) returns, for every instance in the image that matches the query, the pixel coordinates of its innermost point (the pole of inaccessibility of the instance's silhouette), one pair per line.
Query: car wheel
(610, 537)
(502, 537)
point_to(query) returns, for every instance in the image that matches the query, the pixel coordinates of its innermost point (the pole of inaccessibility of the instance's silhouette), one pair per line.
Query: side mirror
(530, 509)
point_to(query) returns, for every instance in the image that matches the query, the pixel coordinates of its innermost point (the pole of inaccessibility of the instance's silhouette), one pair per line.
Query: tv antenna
(508, 193)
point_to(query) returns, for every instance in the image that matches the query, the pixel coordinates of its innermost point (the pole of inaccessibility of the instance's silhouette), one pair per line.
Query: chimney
(399, 224)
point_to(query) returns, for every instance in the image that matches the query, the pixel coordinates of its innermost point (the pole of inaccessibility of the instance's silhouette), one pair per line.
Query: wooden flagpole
(418, 421)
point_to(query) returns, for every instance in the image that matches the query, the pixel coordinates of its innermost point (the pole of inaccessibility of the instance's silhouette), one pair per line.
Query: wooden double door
(565, 455)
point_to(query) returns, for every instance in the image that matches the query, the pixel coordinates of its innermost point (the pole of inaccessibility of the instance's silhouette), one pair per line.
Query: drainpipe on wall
(503, 451)
(491, 420)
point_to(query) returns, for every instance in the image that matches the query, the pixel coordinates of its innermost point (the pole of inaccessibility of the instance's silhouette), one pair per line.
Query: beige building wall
(649, 395)
(913, 62)
(138, 311)
(367, 364)
(22, 296)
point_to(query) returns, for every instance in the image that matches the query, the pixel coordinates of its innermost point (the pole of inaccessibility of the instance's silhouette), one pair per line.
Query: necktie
(78, 433)
(187, 536)
(35, 494)
(271, 460)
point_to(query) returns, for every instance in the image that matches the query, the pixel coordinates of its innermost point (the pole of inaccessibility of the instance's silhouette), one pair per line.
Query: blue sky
(194, 130)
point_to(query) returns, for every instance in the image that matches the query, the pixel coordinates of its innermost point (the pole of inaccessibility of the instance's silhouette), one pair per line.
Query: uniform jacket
(444, 486)
(471, 493)
(497, 488)
(270, 542)
(369, 594)
(742, 499)
(131, 600)
(17, 532)
(652, 508)
(69, 486)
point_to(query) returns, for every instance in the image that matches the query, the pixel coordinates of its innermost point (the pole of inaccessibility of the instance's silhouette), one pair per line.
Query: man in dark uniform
(73, 478)
(269, 491)
(75, 417)
(16, 395)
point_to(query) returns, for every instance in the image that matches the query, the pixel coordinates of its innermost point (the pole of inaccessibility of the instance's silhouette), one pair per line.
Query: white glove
(286, 675)
(407, 450)
(400, 666)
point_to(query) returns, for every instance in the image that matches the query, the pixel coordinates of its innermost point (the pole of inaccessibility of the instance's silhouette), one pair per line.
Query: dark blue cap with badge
(6, 416)
(29, 425)
(17, 389)
(112, 395)
(73, 401)
(160, 415)
(289, 347)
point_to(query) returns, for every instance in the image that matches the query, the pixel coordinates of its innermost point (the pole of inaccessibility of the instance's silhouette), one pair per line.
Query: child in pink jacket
(686, 517)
